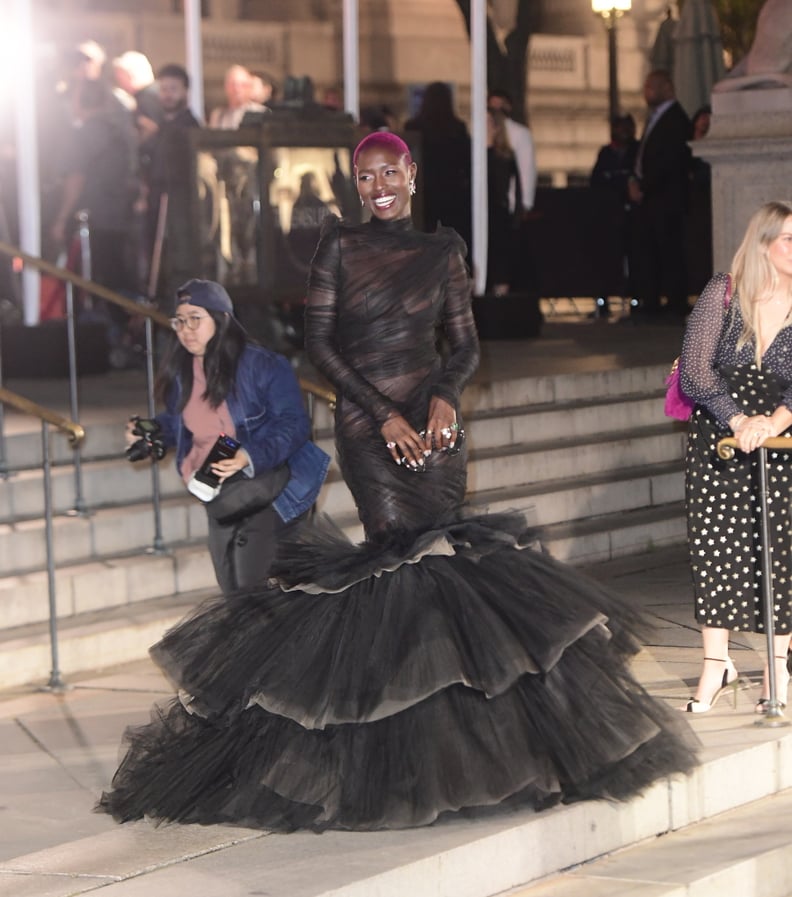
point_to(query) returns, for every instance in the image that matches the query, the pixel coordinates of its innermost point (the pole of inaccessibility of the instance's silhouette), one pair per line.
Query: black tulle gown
(441, 664)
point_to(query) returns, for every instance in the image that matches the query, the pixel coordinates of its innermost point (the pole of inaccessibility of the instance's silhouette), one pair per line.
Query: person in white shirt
(522, 143)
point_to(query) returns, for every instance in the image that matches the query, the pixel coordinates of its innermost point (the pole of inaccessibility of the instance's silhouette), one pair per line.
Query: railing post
(158, 546)
(55, 683)
(79, 502)
(773, 716)
(85, 246)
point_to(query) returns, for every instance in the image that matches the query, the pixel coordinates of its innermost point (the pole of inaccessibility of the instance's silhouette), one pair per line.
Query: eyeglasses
(191, 322)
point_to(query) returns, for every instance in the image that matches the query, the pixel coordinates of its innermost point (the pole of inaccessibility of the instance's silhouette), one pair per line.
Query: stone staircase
(588, 457)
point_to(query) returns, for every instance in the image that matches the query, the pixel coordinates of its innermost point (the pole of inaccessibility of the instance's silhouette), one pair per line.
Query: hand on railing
(728, 444)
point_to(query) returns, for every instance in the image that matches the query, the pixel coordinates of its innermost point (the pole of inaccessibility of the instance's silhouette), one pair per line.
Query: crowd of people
(116, 143)
(133, 176)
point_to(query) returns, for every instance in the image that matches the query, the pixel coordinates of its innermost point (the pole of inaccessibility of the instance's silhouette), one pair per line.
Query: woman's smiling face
(383, 181)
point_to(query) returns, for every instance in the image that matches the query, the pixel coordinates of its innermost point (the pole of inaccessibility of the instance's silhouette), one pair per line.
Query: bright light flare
(14, 45)
(605, 7)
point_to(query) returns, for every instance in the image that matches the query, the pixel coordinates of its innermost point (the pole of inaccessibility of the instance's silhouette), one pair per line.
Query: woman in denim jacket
(214, 381)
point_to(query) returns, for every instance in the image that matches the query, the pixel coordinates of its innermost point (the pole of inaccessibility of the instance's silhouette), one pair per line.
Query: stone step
(498, 460)
(122, 584)
(594, 432)
(741, 853)
(615, 535)
(125, 527)
(602, 386)
(106, 635)
(107, 535)
(119, 581)
(536, 462)
(104, 482)
(566, 393)
(565, 420)
(610, 511)
(578, 498)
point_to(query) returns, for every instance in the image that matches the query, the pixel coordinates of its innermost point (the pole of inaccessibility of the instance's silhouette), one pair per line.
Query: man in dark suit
(658, 190)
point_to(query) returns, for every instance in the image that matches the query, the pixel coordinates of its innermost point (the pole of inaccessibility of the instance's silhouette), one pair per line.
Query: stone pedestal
(749, 147)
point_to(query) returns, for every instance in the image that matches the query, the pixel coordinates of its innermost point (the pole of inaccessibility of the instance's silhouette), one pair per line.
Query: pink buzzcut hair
(382, 140)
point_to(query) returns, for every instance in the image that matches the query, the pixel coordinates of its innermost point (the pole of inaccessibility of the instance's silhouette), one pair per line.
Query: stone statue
(769, 61)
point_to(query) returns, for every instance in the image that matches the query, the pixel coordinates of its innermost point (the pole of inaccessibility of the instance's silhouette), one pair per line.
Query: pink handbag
(677, 404)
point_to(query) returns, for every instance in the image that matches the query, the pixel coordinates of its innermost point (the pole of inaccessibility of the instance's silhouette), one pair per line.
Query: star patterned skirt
(723, 514)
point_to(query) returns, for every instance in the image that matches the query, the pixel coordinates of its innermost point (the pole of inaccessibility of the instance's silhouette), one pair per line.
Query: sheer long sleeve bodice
(377, 294)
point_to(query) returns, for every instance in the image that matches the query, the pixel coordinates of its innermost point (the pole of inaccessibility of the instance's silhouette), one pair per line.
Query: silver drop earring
(412, 188)
(362, 201)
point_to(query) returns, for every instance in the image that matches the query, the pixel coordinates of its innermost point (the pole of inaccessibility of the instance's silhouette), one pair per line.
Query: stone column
(749, 147)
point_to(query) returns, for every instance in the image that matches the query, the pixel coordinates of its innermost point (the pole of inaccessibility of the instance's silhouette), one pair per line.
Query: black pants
(659, 258)
(243, 552)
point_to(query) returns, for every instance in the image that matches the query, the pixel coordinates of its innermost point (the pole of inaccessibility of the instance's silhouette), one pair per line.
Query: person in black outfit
(169, 174)
(445, 153)
(502, 177)
(440, 664)
(614, 166)
(659, 193)
(98, 172)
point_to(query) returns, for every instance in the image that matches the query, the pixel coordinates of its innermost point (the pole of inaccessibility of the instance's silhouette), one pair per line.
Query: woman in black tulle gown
(441, 664)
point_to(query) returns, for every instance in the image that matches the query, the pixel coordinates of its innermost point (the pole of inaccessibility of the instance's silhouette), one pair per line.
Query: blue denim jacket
(267, 408)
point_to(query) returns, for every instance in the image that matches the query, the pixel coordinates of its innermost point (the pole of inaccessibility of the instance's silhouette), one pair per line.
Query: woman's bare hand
(229, 466)
(441, 425)
(753, 432)
(402, 441)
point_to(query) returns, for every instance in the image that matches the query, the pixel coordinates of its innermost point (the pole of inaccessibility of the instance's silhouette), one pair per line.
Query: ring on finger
(446, 432)
(390, 445)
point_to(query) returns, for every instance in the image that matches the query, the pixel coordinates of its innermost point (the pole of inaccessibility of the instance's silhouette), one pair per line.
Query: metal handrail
(75, 434)
(314, 391)
(95, 289)
(73, 431)
(312, 388)
(151, 315)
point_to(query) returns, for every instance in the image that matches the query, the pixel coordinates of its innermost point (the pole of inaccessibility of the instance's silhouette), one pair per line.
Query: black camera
(150, 444)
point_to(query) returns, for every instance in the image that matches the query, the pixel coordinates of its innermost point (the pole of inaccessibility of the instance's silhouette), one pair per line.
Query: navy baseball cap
(205, 294)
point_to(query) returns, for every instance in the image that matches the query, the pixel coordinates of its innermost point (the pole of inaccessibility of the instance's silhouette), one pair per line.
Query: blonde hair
(500, 136)
(754, 276)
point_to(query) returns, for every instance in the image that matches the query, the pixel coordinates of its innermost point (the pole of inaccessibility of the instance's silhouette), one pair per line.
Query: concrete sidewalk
(57, 752)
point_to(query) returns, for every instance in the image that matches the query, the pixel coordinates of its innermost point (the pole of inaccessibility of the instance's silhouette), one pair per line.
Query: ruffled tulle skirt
(381, 685)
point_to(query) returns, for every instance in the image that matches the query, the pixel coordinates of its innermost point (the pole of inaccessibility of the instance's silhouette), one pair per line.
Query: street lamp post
(611, 11)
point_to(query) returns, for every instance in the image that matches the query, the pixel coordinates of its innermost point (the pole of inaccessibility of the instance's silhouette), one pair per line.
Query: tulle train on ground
(380, 685)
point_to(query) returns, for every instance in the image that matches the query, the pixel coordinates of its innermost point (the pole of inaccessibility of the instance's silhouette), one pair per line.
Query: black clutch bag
(241, 496)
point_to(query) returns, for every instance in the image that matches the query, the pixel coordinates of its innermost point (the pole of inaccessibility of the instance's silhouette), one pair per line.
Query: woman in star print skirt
(736, 365)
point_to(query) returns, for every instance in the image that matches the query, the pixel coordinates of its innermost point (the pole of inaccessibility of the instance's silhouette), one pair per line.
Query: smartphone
(225, 447)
